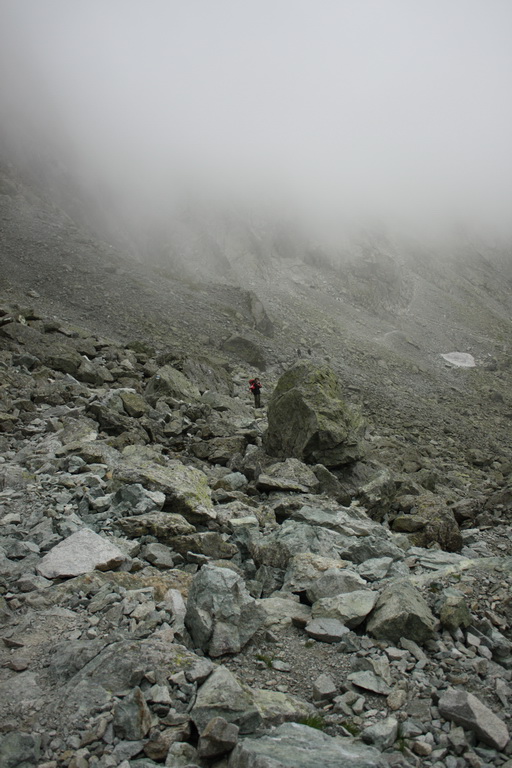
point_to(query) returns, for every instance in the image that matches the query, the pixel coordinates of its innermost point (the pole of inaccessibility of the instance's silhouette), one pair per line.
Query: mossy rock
(308, 418)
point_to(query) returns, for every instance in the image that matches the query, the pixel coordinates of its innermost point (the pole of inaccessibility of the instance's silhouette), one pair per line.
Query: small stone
(422, 748)
(396, 699)
(324, 688)
(382, 734)
(370, 682)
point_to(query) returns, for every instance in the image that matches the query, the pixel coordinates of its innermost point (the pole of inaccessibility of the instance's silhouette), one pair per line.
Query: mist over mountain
(334, 117)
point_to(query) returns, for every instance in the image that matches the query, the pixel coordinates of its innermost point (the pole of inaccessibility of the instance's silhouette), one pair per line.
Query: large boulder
(246, 350)
(292, 745)
(169, 382)
(221, 615)
(308, 418)
(430, 521)
(466, 710)
(401, 611)
(81, 552)
(186, 488)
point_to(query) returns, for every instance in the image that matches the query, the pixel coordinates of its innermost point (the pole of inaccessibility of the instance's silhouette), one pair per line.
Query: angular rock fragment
(222, 695)
(454, 612)
(324, 688)
(334, 581)
(186, 488)
(132, 718)
(221, 615)
(217, 738)
(382, 735)
(326, 630)
(370, 682)
(466, 710)
(289, 475)
(20, 749)
(401, 611)
(163, 525)
(81, 552)
(169, 382)
(281, 612)
(351, 608)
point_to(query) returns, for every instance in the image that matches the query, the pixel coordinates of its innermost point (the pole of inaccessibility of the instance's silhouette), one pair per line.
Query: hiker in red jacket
(255, 387)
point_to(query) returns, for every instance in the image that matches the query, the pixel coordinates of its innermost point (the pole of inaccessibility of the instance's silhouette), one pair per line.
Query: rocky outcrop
(308, 419)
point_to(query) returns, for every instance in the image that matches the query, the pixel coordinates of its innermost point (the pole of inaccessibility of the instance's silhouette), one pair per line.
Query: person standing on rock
(255, 387)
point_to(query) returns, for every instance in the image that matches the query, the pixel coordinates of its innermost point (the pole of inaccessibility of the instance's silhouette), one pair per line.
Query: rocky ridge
(172, 594)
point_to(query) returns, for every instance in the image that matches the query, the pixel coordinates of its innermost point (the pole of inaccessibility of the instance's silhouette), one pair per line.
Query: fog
(337, 110)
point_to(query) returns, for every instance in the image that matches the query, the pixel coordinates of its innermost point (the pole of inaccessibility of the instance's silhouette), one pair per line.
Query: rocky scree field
(173, 594)
(186, 582)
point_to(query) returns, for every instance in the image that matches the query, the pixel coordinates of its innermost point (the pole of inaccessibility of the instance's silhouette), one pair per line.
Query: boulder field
(188, 581)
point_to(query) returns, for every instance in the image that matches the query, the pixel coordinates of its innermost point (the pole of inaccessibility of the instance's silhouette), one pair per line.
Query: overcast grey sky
(385, 107)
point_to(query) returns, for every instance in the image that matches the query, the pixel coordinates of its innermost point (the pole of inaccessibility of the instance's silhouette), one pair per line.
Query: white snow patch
(460, 359)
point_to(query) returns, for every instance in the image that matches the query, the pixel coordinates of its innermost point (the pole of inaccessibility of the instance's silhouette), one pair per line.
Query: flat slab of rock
(297, 746)
(81, 552)
(279, 611)
(186, 488)
(370, 682)
(289, 475)
(460, 359)
(350, 608)
(466, 710)
(326, 630)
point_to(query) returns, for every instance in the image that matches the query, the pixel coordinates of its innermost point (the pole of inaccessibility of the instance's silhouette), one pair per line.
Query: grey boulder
(466, 710)
(292, 745)
(351, 608)
(401, 611)
(221, 615)
(308, 418)
(79, 553)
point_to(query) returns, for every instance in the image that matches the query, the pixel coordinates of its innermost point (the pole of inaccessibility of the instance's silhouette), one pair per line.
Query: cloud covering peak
(397, 110)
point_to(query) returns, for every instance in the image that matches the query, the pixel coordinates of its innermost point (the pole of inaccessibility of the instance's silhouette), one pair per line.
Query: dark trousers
(257, 399)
